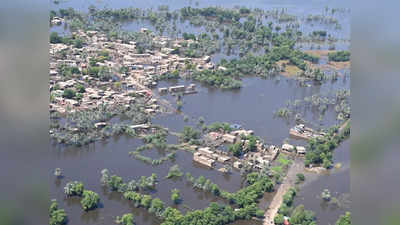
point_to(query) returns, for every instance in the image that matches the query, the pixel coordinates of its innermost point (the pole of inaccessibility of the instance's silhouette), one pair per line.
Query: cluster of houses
(140, 70)
(207, 157)
(259, 159)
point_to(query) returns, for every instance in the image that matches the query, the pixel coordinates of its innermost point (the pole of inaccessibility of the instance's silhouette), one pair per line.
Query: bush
(174, 171)
(74, 188)
(236, 149)
(339, 56)
(90, 200)
(279, 220)
(189, 134)
(57, 216)
(69, 93)
(259, 213)
(126, 219)
(175, 196)
(55, 38)
(300, 177)
(344, 220)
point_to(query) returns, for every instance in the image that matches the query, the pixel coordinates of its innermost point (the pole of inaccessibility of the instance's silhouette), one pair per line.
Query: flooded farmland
(253, 106)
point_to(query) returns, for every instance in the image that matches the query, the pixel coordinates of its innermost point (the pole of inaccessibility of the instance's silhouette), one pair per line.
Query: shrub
(74, 188)
(57, 216)
(69, 93)
(174, 171)
(90, 200)
(339, 56)
(300, 177)
(126, 219)
(175, 196)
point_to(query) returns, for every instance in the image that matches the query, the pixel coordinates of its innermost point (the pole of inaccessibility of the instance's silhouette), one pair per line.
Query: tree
(126, 219)
(55, 38)
(189, 134)
(57, 216)
(302, 216)
(146, 201)
(300, 177)
(172, 216)
(80, 88)
(115, 182)
(175, 196)
(279, 220)
(344, 219)
(74, 188)
(236, 149)
(90, 200)
(157, 206)
(174, 171)
(69, 93)
(78, 43)
(252, 178)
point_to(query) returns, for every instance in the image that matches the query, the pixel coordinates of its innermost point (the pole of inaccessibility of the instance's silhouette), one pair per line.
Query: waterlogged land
(270, 101)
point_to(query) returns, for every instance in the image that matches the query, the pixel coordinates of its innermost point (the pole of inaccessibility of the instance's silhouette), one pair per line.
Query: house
(287, 147)
(300, 150)
(177, 88)
(198, 157)
(238, 164)
(163, 90)
(223, 159)
(206, 152)
(229, 138)
(242, 132)
(214, 136)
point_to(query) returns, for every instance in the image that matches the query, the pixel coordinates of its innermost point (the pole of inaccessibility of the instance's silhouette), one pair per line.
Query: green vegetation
(218, 126)
(302, 216)
(344, 220)
(90, 200)
(339, 56)
(236, 149)
(57, 216)
(300, 178)
(69, 93)
(175, 196)
(56, 39)
(190, 135)
(298, 215)
(320, 149)
(126, 219)
(79, 127)
(245, 197)
(74, 188)
(174, 171)
(116, 183)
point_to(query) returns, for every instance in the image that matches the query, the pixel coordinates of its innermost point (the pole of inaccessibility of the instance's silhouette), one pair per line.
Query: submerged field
(254, 106)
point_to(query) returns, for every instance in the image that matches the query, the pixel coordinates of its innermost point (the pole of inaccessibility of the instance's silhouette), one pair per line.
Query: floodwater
(252, 106)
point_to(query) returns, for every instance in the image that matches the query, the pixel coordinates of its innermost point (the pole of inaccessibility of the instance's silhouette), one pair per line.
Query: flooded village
(151, 128)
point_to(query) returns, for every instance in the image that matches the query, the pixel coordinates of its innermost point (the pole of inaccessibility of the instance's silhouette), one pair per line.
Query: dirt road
(288, 181)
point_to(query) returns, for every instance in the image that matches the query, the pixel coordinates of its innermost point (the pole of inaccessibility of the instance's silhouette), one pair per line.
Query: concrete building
(229, 138)
(287, 147)
(198, 157)
(300, 150)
